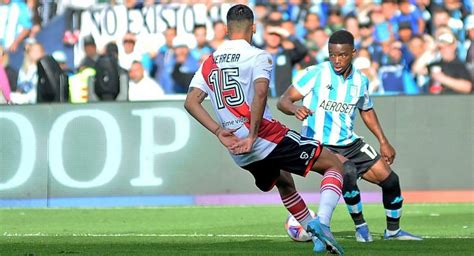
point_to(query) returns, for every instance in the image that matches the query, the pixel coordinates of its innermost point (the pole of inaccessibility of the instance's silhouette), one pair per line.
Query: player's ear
(226, 30)
(254, 28)
(354, 51)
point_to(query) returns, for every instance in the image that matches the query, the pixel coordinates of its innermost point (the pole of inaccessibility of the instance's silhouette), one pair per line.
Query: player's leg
(296, 154)
(330, 191)
(331, 184)
(351, 195)
(360, 157)
(292, 200)
(381, 174)
(295, 204)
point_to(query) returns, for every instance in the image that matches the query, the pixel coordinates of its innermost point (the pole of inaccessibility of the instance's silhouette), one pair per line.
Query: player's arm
(371, 121)
(257, 108)
(286, 104)
(193, 105)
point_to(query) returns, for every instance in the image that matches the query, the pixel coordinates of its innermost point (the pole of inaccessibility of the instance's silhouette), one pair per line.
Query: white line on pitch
(39, 234)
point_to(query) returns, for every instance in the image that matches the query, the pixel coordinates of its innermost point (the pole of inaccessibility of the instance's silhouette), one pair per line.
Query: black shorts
(359, 152)
(294, 153)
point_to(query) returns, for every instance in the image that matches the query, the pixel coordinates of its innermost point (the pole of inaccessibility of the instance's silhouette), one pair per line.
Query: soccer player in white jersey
(331, 92)
(236, 78)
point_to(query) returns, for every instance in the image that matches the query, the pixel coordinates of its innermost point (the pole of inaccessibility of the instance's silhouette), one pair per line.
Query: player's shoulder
(262, 56)
(318, 68)
(359, 75)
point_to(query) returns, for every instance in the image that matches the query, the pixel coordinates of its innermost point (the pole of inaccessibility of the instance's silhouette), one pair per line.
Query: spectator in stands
(364, 65)
(274, 14)
(73, 12)
(335, 20)
(284, 60)
(4, 85)
(12, 74)
(261, 12)
(129, 53)
(317, 43)
(203, 49)
(311, 23)
(289, 26)
(422, 55)
(16, 24)
(184, 65)
(409, 14)
(394, 75)
(219, 34)
(423, 9)
(449, 75)
(351, 24)
(141, 87)
(61, 58)
(90, 50)
(382, 28)
(469, 45)
(405, 32)
(366, 29)
(390, 10)
(165, 62)
(107, 82)
(28, 75)
(34, 8)
(457, 11)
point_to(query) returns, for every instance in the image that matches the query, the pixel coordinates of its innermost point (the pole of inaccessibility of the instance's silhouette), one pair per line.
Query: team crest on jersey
(270, 61)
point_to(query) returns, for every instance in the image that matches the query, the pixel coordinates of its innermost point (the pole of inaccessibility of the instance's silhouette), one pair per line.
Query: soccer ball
(295, 231)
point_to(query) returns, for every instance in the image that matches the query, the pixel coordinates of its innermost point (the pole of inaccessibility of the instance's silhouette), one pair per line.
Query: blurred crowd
(403, 46)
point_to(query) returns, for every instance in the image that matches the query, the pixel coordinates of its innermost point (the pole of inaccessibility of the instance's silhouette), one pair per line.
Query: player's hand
(227, 137)
(302, 113)
(243, 146)
(388, 152)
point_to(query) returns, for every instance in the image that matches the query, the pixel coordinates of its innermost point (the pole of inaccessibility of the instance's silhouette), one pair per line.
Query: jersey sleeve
(24, 19)
(263, 66)
(305, 80)
(199, 82)
(365, 102)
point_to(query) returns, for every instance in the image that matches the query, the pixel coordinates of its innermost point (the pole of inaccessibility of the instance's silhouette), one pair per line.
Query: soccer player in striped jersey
(236, 79)
(331, 92)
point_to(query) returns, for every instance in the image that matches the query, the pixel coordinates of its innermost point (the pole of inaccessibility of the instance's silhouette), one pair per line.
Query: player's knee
(350, 174)
(391, 183)
(285, 188)
(264, 187)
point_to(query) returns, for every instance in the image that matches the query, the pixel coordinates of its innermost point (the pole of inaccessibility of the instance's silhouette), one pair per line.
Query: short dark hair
(198, 26)
(238, 16)
(342, 37)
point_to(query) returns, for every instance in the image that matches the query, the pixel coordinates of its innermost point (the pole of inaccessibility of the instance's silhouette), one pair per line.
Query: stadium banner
(102, 153)
(110, 23)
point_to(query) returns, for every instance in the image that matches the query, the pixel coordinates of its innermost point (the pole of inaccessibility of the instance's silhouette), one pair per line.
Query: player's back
(228, 77)
(237, 60)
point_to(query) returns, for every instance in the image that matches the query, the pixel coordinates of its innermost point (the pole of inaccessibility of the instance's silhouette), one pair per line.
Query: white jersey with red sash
(228, 76)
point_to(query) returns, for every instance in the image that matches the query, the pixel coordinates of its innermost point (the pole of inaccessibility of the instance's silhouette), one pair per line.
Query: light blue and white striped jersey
(333, 100)
(14, 17)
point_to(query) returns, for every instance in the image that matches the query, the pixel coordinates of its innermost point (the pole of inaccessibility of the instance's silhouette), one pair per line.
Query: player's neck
(241, 36)
(347, 72)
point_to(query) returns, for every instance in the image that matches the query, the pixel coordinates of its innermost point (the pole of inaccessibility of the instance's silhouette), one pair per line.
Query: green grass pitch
(227, 230)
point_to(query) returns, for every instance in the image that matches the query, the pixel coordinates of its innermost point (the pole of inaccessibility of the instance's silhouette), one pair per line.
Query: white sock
(392, 232)
(304, 222)
(331, 190)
